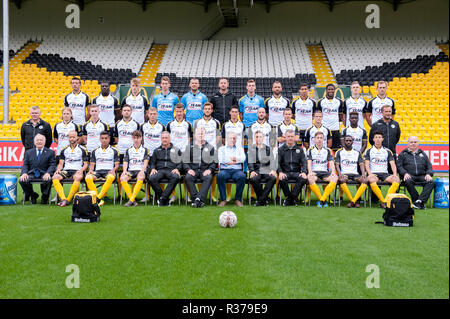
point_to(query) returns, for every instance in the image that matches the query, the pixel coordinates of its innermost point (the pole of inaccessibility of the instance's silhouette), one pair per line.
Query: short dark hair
(126, 105)
(353, 113)
(136, 133)
(302, 85)
(287, 109)
(330, 84)
(76, 79)
(105, 133)
(234, 107)
(378, 133)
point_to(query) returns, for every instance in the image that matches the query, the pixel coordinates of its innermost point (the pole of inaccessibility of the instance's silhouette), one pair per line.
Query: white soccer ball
(227, 219)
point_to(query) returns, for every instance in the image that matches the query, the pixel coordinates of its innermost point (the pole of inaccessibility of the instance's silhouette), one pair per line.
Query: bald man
(415, 168)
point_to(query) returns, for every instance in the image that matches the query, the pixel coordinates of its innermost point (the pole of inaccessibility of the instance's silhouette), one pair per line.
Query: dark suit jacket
(46, 164)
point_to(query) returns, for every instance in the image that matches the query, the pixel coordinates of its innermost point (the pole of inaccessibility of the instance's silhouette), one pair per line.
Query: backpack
(85, 208)
(399, 211)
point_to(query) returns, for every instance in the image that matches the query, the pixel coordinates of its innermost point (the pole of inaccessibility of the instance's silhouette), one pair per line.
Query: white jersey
(123, 131)
(61, 132)
(77, 103)
(319, 158)
(152, 135)
(303, 110)
(74, 158)
(106, 106)
(348, 161)
(311, 132)
(212, 129)
(139, 105)
(378, 159)
(330, 110)
(352, 105)
(266, 129)
(282, 128)
(104, 159)
(136, 157)
(275, 108)
(358, 134)
(374, 107)
(92, 132)
(237, 128)
(180, 132)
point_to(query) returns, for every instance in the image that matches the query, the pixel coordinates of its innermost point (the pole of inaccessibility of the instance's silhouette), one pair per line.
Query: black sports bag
(399, 211)
(85, 208)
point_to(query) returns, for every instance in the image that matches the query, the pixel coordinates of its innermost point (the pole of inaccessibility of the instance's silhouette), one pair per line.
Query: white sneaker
(145, 199)
(54, 199)
(172, 199)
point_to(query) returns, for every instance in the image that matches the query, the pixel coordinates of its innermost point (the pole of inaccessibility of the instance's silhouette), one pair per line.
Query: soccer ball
(227, 219)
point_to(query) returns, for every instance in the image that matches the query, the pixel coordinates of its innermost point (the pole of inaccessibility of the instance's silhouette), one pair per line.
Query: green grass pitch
(181, 252)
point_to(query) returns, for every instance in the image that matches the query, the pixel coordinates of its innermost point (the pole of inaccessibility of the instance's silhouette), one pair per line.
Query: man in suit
(39, 163)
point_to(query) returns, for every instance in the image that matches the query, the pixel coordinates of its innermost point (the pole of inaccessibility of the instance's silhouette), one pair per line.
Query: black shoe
(418, 204)
(162, 203)
(288, 202)
(34, 198)
(44, 200)
(257, 204)
(199, 203)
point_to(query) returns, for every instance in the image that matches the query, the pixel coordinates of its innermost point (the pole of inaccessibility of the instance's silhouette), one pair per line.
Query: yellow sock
(376, 190)
(59, 189)
(393, 188)
(316, 190)
(136, 190)
(228, 191)
(127, 189)
(359, 192)
(90, 184)
(328, 191)
(213, 185)
(109, 180)
(73, 190)
(345, 189)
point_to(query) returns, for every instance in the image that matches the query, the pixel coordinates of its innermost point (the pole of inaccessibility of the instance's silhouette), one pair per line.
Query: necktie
(37, 173)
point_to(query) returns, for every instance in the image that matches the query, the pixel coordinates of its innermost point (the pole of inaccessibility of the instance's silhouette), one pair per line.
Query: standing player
(317, 127)
(286, 125)
(212, 126)
(347, 161)
(303, 109)
(62, 129)
(249, 104)
(321, 167)
(135, 163)
(73, 161)
(377, 158)
(123, 131)
(108, 104)
(276, 104)
(103, 163)
(373, 112)
(332, 110)
(222, 102)
(355, 103)
(234, 125)
(165, 102)
(78, 102)
(264, 127)
(92, 129)
(193, 102)
(180, 130)
(138, 102)
(358, 133)
(152, 130)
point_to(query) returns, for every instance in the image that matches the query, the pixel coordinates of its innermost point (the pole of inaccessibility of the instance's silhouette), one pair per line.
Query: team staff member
(358, 134)
(108, 105)
(103, 163)
(317, 127)
(347, 161)
(33, 127)
(376, 159)
(78, 102)
(62, 129)
(135, 163)
(164, 102)
(249, 104)
(92, 129)
(286, 125)
(303, 109)
(123, 131)
(193, 102)
(415, 168)
(355, 103)
(222, 102)
(138, 102)
(152, 130)
(276, 104)
(291, 165)
(332, 110)
(373, 112)
(390, 129)
(73, 162)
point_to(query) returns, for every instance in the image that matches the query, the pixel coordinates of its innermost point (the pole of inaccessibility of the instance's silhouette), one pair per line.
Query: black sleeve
(87, 100)
(22, 133)
(153, 159)
(48, 135)
(393, 107)
(341, 107)
(399, 133)
(146, 103)
(304, 162)
(66, 103)
(126, 157)
(317, 107)
(401, 170)
(115, 131)
(85, 155)
(368, 107)
(124, 101)
(52, 163)
(55, 132)
(116, 156)
(83, 130)
(116, 103)
(364, 137)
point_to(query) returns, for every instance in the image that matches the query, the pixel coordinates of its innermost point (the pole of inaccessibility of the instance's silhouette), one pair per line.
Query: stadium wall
(166, 20)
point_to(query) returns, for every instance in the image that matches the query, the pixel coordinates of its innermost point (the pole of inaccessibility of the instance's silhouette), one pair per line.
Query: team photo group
(268, 143)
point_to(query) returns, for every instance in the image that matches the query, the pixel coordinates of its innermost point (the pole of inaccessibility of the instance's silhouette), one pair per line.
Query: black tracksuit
(28, 131)
(262, 162)
(391, 131)
(292, 162)
(222, 105)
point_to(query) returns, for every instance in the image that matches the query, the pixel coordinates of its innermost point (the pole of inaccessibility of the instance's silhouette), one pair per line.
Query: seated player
(321, 167)
(73, 162)
(377, 158)
(165, 163)
(199, 165)
(347, 161)
(135, 163)
(104, 162)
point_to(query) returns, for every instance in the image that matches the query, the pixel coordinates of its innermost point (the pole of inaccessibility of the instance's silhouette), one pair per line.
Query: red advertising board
(12, 152)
